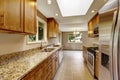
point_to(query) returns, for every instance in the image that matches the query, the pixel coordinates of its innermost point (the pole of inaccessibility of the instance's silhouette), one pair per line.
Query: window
(41, 33)
(32, 38)
(75, 38)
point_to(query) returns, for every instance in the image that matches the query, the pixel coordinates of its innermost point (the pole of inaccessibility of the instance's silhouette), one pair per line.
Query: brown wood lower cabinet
(85, 54)
(45, 70)
(97, 65)
(54, 63)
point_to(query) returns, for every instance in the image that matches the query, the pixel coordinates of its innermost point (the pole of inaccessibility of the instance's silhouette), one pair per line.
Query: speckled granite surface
(15, 66)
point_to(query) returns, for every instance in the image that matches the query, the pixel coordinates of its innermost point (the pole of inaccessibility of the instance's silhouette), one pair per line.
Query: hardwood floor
(73, 67)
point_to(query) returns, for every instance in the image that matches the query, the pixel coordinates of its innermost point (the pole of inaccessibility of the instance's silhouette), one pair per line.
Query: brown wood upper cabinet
(53, 27)
(18, 15)
(10, 15)
(93, 26)
(30, 16)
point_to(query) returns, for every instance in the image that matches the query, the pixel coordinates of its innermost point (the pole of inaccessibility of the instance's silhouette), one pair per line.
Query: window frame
(44, 34)
(73, 35)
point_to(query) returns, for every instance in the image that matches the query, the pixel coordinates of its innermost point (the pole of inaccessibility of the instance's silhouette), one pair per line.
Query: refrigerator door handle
(116, 53)
(119, 54)
(111, 43)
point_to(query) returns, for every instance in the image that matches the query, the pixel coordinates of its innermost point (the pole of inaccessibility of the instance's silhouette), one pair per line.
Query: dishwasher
(60, 55)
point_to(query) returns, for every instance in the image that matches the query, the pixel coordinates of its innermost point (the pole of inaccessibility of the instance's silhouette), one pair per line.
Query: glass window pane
(76, 38)
(40, 31)
(32, 38)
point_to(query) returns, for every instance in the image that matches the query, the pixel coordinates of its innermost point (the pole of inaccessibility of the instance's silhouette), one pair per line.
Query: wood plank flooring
(73, 67)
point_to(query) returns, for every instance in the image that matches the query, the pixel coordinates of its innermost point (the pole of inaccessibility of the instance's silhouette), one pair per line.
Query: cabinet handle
(2, 19)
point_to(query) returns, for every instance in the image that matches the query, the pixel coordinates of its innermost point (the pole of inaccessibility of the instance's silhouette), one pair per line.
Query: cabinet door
(97, 19)
(53, 67)
(90, 29)
(57, 28)
(56, 61)
(97, 65)
(10, 15)
(50, 27)
(38, 74)
(30, 16)
(56, 64)
(1, 13)
(54, 30)
(29, 78)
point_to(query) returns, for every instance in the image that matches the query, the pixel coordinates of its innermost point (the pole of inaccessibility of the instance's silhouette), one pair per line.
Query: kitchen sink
(47, 49)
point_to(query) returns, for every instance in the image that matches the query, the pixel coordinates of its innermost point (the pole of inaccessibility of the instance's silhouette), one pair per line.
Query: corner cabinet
(18, 16)
(52, 28)
(93, 26)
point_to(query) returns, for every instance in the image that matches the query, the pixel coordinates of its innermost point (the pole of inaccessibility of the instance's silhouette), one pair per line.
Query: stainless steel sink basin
(47, 49)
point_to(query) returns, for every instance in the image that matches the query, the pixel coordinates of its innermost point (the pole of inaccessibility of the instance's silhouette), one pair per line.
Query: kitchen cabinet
(57, 28)
(30, 75)
(45, 70)
(18, 16)
(55, 63)
(60, 55)
(11, 15)
(97, 65)
(93, 26)
(35, 74)
(85, 54)
(53, 68)
(30, 16)
(52, 27)
(57, 60)
(39, 72)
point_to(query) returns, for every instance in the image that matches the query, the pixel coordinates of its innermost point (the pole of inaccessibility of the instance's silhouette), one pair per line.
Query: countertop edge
(56, 48)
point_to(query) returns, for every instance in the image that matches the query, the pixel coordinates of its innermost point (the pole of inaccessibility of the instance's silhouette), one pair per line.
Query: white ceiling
(74, 8)
(69, 23)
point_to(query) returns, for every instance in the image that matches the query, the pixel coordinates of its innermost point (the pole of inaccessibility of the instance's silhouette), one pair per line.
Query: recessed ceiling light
(56, 14)
(49, 1)
(93, 11)
(74, 7)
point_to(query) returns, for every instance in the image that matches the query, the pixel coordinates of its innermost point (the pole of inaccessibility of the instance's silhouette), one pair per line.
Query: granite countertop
(16, 69)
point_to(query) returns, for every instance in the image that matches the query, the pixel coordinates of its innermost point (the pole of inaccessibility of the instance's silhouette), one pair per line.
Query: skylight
(74, 7)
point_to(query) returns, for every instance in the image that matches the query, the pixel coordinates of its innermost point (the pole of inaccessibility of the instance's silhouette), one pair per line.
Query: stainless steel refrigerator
(115, 46)
(110, 40)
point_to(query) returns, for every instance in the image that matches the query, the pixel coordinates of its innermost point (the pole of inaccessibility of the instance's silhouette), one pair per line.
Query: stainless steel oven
(91, 52)
(90, 62)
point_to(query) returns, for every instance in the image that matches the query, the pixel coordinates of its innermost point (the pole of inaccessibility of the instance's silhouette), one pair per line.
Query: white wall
(14, 42)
